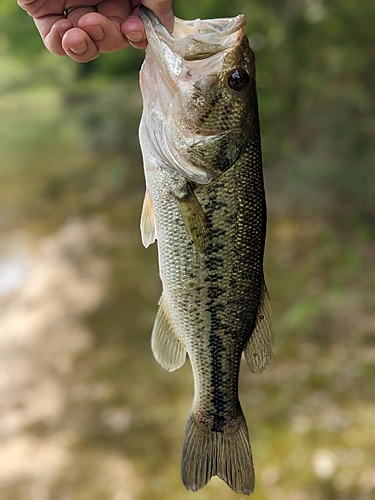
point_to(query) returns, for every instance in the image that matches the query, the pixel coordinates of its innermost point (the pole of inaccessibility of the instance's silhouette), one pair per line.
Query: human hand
(83, 33)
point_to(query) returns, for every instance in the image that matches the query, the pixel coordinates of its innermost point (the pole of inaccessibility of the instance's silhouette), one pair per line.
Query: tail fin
(225, 454)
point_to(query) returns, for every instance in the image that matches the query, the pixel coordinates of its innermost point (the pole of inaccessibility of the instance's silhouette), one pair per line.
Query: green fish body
(205, 206)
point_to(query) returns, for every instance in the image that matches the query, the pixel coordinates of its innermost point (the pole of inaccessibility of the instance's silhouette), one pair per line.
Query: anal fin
(259, 348)
(168, 350)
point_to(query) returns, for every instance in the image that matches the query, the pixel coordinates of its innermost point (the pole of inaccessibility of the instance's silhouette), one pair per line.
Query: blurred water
(13, 271)
(47, 288)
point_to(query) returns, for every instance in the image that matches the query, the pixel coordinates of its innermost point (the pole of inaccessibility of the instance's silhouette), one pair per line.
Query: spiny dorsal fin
(166, 347)
(148, 227)
(193, 217)
(258, 349)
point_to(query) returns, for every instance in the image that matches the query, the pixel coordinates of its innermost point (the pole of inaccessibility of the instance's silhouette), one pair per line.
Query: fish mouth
(178, 63)
(191, 40)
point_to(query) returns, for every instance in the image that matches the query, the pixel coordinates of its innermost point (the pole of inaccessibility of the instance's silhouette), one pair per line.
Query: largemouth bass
(205, 205)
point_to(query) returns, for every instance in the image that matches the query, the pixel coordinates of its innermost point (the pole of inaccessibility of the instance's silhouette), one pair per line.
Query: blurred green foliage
(69, 148)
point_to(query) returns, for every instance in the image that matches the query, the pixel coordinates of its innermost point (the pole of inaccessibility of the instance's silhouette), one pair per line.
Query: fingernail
(96, 33)
(135, 36)
(80, 49)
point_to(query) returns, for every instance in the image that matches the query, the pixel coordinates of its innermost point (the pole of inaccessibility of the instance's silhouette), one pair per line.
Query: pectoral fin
(194, 218)
(258, 349)
(148, 226)
(166, 347)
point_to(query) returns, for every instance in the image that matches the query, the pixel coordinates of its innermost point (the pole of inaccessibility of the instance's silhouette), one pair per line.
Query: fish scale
(205, 206)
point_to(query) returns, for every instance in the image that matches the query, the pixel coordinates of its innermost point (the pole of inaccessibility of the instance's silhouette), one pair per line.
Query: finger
(54, 38)
(74, 14)
(104, 32)
(46, 15)
(132, 28)
(163, 10)
(38, 8)
(75, 42)
(79, 46)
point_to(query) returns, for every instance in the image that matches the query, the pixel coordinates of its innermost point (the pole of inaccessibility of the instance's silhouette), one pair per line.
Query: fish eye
(238, 79)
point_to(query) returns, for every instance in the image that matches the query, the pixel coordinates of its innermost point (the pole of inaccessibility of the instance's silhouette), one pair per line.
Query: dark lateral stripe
(216, 345)
(217, 380)
(214, 264)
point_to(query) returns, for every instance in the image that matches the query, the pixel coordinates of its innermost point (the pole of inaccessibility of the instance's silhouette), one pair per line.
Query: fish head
(204, 104)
